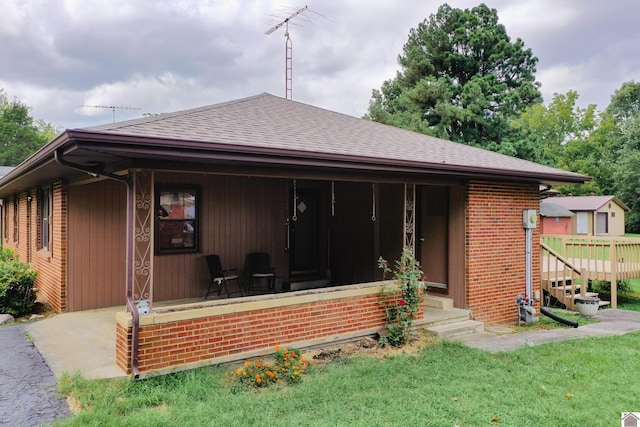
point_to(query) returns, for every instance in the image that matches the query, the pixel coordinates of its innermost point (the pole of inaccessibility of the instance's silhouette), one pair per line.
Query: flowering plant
(288, 366)
(401, 312)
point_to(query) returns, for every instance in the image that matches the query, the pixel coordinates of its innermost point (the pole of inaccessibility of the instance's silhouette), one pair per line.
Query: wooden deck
(568, 262)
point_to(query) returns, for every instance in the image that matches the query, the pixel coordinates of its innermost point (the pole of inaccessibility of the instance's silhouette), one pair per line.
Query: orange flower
(277, 348)
(247, 363)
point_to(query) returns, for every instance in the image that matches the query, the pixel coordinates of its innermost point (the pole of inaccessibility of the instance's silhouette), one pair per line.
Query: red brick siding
(187, 341)
(496, 248)
(50, 264)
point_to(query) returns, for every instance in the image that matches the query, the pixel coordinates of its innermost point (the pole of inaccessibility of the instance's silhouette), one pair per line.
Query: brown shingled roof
(269, 122)
(269, 131)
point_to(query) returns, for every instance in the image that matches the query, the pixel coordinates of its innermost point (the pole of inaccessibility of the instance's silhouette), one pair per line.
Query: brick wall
(236, 331)
(496, 248)
(50, 264)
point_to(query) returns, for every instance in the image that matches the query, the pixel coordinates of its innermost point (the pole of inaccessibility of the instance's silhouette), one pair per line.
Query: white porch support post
(143, 236)
(409, 216)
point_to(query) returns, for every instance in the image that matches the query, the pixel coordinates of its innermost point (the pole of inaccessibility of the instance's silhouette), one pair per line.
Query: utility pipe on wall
(131, 306)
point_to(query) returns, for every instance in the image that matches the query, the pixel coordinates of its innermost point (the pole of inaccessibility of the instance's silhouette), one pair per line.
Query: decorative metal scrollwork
(143, 236)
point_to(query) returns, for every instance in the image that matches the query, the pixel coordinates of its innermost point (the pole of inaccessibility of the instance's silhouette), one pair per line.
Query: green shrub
(401, 311)
(16, 285)
(623, 286)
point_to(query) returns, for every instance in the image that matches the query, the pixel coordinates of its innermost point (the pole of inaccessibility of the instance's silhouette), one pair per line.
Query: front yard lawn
(578, 382)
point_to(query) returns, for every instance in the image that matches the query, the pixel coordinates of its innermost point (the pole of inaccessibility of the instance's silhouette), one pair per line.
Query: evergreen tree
(462, 79)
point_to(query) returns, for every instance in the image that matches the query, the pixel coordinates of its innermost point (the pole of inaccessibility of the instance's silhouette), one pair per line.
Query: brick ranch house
(127, 211)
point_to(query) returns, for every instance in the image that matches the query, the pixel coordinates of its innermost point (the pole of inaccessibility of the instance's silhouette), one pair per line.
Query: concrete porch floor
(85, 342)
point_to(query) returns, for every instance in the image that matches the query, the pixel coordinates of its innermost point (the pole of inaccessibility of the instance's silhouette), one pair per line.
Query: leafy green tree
(627, 179)
(625, 103)
(461, 78)
(551, 128)
(624, 111)
(20, 134)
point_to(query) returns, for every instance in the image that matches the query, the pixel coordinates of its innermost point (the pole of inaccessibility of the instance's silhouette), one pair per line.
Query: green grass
(577, 382)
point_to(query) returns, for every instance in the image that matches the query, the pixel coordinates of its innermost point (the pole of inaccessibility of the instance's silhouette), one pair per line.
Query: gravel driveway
(27, 386)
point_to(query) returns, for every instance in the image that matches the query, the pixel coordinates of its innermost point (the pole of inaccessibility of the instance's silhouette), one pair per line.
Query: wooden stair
(564, 291)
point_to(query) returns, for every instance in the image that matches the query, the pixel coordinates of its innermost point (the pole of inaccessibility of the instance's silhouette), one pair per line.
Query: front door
(434, 233)
(304, 256)
(440, 245)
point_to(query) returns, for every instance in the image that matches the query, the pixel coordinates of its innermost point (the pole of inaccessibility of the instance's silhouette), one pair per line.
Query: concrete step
(438, 302)
(436, 316)
(455, 329)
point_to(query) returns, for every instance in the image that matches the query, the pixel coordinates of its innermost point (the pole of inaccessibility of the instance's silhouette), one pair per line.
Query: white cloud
(164, 55)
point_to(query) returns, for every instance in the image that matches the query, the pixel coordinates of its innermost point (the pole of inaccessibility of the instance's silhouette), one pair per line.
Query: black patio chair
(218, 277)
(259, 271)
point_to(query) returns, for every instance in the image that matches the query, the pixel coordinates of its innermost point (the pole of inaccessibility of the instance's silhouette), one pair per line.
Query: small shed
(555, 218)
(595, 215)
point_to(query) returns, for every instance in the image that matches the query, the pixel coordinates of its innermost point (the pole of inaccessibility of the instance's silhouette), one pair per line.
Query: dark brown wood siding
(96, 251)
(238, 215)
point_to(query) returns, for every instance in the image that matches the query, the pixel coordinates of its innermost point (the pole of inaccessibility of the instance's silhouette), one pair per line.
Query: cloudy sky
(166, 55)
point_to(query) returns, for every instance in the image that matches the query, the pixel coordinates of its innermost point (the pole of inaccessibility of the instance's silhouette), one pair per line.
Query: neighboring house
(555, 218)
(132, 208)
(595, 215)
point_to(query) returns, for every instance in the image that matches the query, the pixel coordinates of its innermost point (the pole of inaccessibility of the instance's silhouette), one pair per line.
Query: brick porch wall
(496, 248)
(227, 331)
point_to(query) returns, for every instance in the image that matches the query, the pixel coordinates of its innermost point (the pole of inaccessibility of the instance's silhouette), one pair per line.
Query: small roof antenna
(113, 108)
(288, 51)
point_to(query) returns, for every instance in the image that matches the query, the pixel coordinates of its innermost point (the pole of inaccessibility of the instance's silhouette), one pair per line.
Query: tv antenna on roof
(113, 108)
(288, 51)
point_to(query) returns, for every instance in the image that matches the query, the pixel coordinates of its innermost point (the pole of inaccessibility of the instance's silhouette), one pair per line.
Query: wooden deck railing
(604, 258)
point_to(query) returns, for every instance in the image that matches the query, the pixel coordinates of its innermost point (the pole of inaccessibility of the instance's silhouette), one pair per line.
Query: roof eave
(127, 145)
(226, 151)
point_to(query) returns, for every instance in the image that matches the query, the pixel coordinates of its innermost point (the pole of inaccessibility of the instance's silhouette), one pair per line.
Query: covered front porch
(317, 232)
